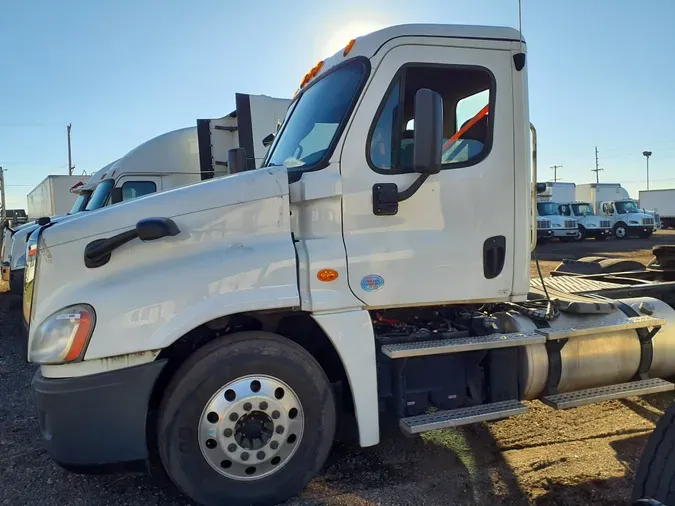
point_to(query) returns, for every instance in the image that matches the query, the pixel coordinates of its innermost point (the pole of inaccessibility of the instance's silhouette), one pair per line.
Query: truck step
(460, 344)
(620, 391)
(462, 416)
(636, 322)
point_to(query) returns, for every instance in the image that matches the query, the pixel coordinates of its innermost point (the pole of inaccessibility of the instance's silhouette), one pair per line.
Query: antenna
(520, 23)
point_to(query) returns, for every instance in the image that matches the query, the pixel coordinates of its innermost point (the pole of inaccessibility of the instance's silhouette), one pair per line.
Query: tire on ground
(209, 369)
(655, 478)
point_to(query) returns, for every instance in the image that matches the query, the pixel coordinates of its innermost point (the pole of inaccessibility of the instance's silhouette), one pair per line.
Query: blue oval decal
(372, 283)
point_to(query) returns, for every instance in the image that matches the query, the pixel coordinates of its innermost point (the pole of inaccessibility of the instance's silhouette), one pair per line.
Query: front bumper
(16, 279)
(544, 233)
(640, 229)
(565, 232)
(96, 420)
(5, 271)
(598, 232)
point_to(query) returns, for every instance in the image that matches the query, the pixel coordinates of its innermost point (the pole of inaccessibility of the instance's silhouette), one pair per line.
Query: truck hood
(637, 216)
(215, 193)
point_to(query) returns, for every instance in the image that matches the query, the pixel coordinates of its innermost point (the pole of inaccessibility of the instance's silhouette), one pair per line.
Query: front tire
(581, 234)
(620, 231)
(655, 478)
(249, 419)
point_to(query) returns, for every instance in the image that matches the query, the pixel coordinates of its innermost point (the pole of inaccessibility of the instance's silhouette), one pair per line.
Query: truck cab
(590, 225)
(216, 328)
(564, 228)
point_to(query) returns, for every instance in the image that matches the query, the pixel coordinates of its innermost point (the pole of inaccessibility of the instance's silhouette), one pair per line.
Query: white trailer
(52, 197)
(661, 202)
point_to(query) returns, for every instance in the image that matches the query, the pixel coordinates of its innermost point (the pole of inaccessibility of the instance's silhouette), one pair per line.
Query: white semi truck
(589, 225)
(171, 160)
(611, 200)
(53, 196)
(216, 328)
(661, 202)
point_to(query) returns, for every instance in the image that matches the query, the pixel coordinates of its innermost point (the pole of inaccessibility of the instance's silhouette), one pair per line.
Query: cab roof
(368, 45)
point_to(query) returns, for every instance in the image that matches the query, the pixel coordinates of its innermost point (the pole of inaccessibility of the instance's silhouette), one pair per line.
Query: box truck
(52, 197)
(611, 200)
(661, 202)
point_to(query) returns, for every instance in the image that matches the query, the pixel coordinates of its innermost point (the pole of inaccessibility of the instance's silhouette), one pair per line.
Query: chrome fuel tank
(595, 360)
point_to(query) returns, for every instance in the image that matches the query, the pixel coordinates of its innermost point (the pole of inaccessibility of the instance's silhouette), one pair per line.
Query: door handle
(494, 256)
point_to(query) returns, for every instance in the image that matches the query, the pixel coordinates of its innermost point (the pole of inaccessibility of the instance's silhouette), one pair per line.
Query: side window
(467, 129)
(135, 189)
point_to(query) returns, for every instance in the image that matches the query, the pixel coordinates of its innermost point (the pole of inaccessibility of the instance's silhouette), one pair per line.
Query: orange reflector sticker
(348, 47)
(327, 275)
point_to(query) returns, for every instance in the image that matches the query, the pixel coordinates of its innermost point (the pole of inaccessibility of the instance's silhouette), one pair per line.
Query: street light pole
(647, 154)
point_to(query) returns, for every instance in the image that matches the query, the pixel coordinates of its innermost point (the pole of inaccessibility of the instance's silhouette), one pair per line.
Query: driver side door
(452, 241)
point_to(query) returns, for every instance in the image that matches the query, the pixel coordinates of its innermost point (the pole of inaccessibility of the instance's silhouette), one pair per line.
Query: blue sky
(121, 72)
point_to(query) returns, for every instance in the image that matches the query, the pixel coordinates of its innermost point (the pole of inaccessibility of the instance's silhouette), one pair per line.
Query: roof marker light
(348, 47)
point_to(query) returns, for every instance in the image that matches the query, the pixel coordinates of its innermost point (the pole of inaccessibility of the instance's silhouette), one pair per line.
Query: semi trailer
(216, 330)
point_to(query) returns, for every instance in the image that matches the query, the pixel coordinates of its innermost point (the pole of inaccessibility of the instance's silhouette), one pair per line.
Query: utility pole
(70, 157)
(3, 214)
(647, 154)
(597, 167)
(555, 172)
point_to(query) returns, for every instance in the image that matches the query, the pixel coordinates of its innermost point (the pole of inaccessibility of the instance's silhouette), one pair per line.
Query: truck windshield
(582, 210)
(313, 121)
(100, 195)
(80, 203)
(625, 207)
(547, 209)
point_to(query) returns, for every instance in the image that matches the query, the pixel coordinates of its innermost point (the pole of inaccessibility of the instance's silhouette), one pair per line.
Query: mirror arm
(97, 253)
(412, 189)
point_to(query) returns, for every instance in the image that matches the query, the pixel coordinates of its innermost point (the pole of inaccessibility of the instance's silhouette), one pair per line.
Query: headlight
(557, 225)
(63, 337)
(634, 222)
(591, 225)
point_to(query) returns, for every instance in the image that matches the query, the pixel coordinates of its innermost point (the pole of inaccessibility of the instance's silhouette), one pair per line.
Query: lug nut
(233, 417)
(244, 456)
(247, 406)
(263, 406)
(274, 445)
(275, 414)
(260, 455)
(280, 429)
(232, 447)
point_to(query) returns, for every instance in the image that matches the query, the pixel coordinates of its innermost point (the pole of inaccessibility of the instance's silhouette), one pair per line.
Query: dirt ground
(583, 456)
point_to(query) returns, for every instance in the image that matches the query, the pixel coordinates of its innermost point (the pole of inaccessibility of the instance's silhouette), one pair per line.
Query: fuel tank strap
(646, 346)
(553, 348)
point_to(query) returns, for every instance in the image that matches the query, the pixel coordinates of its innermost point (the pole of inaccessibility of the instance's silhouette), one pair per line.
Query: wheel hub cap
(251, 427)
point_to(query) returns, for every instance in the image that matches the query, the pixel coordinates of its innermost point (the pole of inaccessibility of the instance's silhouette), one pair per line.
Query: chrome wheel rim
(251, 427)
(621, 232)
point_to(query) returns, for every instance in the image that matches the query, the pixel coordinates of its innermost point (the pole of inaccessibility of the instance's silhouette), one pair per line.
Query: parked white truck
(171, 160)
(661, 202)
(53, 196)
(590, 225)
(216, 328)
(612, 201)
(563, 228)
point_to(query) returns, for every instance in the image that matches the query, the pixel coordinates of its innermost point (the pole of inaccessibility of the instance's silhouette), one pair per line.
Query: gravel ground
(582, 456)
